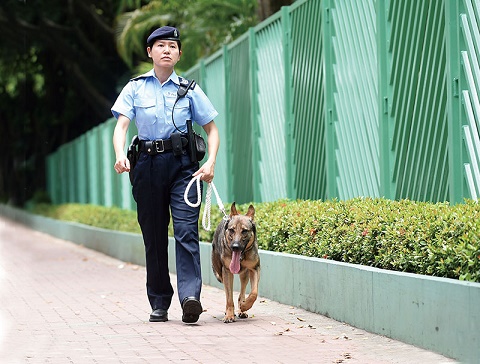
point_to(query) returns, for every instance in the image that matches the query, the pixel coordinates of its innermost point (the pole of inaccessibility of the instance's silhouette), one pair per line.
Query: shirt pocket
(145, 110)
(181, 112)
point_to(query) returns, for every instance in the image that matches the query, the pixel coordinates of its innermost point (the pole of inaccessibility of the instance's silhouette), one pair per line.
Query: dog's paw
(243, 315)
(245, 306)
(229, 319)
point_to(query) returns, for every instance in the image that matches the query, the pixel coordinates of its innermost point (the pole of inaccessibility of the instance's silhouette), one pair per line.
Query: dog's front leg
(241, 297)
(228, 286)
(252, 297)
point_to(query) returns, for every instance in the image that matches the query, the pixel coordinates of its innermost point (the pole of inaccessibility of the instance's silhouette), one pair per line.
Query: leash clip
(225, 216)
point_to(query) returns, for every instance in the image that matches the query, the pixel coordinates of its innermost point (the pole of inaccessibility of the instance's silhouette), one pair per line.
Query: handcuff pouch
(177, 147)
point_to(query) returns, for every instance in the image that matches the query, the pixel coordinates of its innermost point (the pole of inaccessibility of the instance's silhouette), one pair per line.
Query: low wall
(438, 314)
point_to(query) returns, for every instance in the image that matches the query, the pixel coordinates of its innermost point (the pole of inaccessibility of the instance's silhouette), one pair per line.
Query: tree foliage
(204, 25)
(61, 68)
(62, 63)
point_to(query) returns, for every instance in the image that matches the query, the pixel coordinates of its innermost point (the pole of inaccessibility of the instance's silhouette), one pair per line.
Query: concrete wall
(439, 314)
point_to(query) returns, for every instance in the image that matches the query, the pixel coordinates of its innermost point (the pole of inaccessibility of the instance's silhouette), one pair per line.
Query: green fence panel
(82, 169)
(110, 184)
(95, 173)
(417, 104)
(355, 103)
(269, 111)
(214, 86)
(71, 175)
(239, 119)
(53, 178)
(62, 174)
(470, 86)
(306, 102)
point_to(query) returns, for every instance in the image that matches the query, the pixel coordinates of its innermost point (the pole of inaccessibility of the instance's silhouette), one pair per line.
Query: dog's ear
(251, 212)
(233, 210)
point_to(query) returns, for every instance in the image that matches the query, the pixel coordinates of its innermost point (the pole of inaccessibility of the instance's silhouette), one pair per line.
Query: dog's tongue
(235, 263)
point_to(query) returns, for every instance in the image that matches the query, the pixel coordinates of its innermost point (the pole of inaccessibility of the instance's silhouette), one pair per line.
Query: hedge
(418, 237)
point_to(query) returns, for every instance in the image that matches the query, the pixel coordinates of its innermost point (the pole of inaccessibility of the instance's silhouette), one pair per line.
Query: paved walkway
(63, 303)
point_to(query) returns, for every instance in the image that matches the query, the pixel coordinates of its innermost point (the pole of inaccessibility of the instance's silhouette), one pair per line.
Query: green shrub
(112, 218)
(418, 237)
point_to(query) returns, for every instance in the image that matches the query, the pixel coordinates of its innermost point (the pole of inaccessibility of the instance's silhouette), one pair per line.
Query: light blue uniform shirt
(150, 104)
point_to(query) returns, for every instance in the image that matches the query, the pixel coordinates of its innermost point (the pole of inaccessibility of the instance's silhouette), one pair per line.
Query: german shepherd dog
(235, 251)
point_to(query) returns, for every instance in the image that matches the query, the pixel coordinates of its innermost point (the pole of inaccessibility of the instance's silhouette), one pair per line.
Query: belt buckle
(157, 146)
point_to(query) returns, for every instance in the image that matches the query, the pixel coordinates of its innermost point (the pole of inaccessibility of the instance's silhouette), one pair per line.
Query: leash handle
(208, 201)
(199, 194)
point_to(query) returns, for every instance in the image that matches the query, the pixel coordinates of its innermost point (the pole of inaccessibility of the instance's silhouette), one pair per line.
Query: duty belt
(153, 147)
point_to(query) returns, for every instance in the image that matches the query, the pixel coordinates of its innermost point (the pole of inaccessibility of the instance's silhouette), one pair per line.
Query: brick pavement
(63, 303)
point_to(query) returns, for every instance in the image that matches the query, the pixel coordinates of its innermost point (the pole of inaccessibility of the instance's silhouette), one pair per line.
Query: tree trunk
(270, 7)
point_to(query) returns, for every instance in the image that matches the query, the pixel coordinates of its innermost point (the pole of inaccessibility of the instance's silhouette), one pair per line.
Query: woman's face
(164, 53)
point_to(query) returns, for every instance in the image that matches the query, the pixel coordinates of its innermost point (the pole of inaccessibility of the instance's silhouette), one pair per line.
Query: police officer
(162, 172)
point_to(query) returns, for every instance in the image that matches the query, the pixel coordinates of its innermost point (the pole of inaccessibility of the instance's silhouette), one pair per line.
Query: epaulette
(145, 75)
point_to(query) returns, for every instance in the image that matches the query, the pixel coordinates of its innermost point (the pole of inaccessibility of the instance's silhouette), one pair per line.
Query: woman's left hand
(213, 143)
(207, 171)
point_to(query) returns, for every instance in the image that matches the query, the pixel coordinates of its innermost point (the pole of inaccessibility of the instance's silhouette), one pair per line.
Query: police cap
(166, 32)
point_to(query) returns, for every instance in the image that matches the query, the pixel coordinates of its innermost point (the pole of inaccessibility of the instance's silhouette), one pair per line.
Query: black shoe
(192, 308)
(159, 315)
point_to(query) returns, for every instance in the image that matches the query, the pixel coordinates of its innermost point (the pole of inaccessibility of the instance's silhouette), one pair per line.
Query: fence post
(228, 122)
(330, 113)
(455, 142)
(387, 186)
(252, 44)
(289, 120)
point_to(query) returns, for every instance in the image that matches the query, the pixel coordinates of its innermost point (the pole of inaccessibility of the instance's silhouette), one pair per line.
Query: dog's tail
(217, 264)
(219, 277)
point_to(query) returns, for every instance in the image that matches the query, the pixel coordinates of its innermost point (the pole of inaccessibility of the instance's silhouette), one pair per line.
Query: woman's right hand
(122, 164)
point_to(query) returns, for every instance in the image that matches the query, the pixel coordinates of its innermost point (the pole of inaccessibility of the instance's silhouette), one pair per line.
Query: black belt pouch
(177, 147)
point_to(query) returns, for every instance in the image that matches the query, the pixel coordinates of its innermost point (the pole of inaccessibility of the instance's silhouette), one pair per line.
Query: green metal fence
(470, 86)
(416, 99)
(327, 99)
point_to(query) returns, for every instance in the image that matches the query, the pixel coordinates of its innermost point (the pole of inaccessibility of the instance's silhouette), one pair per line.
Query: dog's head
(240, 230)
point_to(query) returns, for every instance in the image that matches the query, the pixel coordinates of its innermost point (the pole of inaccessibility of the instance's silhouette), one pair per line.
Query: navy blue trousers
(158, 188)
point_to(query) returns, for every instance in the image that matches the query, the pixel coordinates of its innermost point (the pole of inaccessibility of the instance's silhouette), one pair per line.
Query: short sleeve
(202, 109)
(124, 103)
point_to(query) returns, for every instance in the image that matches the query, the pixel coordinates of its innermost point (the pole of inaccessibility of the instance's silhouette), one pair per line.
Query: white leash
(208, 200)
